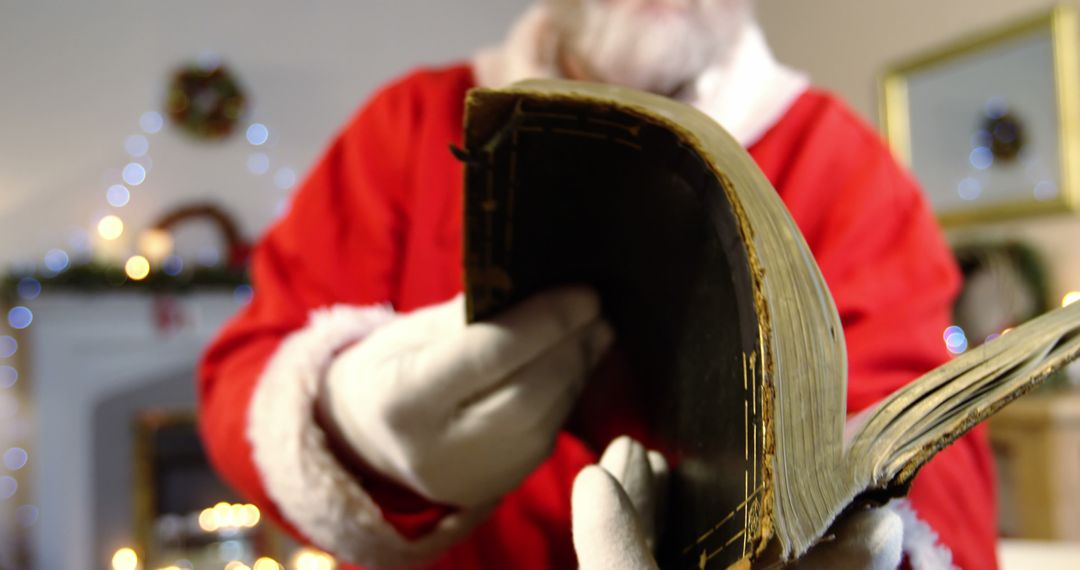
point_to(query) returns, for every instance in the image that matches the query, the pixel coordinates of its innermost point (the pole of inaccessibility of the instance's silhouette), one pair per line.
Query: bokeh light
(265, 563)
(137, 145)
(243, 294)
(156, 244)
(207, 521)
(110, 227)
(310, 559)
(28, 288)
(134, 174)
(8, 487)
(125, 559)
(20, 317)
(8, 376)
(173, 265)
(15, 458)
(8, 346)
(137, 268)
(981, 158)
(969, 188)
(285, 178)
(257, 134)
(151, 122)
(118, 195)
(1070, 298)
(57, 260)
(237, 565)
(1045, 190)
(258, 163)
(955, 339)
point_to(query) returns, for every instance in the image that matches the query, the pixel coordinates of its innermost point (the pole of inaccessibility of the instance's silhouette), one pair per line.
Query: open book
(730, 356)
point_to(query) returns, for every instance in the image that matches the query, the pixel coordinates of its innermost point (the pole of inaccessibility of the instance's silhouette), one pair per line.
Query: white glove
(616, 506)
(615, 503)
(462, 414)
(870, 538)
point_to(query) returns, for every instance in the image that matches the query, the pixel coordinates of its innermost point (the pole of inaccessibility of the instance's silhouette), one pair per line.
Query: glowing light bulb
(309, 559)
(125, 559)
(110, 227)
(137, 268)
(265, 563)
(207, 521)
(236, 516)
(223, 515)
(253, 514)
(1070, 298)
(156, 244)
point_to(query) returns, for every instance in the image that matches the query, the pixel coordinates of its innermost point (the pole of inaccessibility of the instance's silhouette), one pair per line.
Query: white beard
(653, 45)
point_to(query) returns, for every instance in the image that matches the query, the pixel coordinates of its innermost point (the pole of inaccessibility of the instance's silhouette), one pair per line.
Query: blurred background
(144, 145)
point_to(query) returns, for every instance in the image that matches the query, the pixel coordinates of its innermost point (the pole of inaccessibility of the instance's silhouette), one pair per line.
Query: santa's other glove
(868, 539)
(616, 507)
(463, 413)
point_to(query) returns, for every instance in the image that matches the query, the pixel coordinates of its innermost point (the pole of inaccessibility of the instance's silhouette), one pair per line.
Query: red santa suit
(375, 230)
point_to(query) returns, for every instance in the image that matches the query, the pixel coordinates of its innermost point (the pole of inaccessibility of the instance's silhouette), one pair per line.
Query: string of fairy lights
(154, 252)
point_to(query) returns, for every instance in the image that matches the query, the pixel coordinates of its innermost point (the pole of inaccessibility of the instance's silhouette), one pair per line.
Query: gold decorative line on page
(512, 175)
(633, 131)
(582, 134)
(745, 511)
(723, 521)
(706, 555)
(550, 115)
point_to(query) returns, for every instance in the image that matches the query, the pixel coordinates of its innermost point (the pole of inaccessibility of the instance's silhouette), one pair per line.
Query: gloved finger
(661, 474)
(420, 326)
(481, 356)
(869, 538)
(606, 529)
(629, 462)
(540, 395)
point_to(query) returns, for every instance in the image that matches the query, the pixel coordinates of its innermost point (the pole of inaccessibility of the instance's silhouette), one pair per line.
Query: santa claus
(352, 403)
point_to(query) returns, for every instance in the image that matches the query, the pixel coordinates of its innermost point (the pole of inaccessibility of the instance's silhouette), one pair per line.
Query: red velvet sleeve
(894, 280)
(338, 244)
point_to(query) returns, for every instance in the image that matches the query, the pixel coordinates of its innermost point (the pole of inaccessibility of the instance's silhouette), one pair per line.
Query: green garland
(98, 278)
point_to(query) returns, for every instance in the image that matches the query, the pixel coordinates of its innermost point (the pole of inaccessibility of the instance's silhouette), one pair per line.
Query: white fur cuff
(313, 491)
(920, 541)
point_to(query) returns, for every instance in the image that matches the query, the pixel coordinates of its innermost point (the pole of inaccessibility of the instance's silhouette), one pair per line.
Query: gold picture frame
(1025, 76)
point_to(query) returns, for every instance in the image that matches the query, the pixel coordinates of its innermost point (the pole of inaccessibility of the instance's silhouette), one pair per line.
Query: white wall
(76, 76)
(846, 44)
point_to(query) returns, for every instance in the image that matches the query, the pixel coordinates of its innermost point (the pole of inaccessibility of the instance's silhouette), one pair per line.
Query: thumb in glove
(614, 506)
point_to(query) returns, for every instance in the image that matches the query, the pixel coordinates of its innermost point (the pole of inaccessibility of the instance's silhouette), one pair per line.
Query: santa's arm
(324, 278)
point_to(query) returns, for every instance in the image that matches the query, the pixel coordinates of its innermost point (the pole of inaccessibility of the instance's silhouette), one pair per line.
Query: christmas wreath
(205, 101)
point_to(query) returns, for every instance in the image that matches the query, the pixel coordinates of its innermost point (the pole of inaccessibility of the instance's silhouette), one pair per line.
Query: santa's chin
(653, 45)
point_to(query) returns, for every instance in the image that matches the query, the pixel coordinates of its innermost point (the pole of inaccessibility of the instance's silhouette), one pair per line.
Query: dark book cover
(565, 190)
